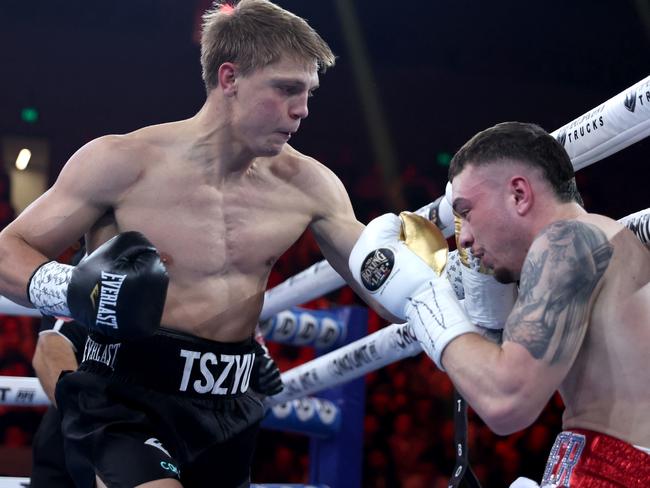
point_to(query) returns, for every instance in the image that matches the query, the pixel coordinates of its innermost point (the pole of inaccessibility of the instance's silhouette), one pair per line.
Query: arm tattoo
(556, 290)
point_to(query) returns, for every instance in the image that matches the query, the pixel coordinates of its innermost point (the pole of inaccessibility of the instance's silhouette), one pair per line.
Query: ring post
(337, 461)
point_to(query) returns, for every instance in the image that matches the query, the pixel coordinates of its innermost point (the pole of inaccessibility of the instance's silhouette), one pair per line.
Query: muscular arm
(336, 230)
(509, 385)
(89, 184)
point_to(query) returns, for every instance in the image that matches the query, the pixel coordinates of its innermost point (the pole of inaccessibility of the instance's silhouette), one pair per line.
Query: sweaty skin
(221, 195)
(581, 324)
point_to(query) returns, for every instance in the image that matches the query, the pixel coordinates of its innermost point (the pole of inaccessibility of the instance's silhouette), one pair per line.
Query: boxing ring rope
(604, 130)
(7, 307)
(374, 351)
(315, 281)
(639, 224)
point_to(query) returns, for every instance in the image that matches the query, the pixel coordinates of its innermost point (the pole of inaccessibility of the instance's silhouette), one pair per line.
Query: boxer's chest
(206, 230)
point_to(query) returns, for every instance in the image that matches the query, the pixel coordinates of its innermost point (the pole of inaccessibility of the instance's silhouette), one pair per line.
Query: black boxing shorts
(168, 406)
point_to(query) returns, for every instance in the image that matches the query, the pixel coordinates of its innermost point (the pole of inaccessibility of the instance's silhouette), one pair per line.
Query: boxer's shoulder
(305, 173)
(116, 147)
(102, 169)
(608, 226)
(135, 150)
(628, 238)
(290, 164)
(567, 259)
(578, 236)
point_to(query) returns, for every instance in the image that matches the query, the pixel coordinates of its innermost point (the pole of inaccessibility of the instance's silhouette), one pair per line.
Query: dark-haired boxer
(581, 322)
(200, 209)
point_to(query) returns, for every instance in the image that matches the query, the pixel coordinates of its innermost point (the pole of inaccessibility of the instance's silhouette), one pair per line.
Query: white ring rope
(612, 126)
(639, 224)
(298, 288)
(7, 307)
(351, 361)
(22, 392)
(11, 482)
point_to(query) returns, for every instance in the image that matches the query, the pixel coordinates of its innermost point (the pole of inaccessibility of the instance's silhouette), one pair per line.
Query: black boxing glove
(119, 290)
(265, 376)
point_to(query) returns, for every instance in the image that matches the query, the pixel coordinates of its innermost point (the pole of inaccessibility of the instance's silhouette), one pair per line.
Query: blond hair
(255, 33)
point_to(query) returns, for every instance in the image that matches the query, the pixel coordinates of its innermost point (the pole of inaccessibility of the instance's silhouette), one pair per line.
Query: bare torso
(219, 237)
(221, 196)
(608, 387)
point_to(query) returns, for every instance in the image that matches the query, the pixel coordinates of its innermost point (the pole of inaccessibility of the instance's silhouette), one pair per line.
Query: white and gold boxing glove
(399, 261)
(488, 303)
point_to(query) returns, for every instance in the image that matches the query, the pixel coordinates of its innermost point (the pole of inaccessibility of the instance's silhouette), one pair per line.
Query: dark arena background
(413, 81)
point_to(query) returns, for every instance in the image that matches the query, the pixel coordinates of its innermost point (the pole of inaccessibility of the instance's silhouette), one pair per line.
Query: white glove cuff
(48, 288)
(437, 317)
(488, 302)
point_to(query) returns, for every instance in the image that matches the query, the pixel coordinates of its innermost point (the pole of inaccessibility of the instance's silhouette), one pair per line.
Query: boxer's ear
(227, 77)
(521, 194)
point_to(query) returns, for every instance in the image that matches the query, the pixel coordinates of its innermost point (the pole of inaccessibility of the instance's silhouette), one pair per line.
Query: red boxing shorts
(585, 459)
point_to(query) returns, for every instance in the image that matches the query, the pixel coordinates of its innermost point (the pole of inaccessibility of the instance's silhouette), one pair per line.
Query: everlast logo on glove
(119, 290)
(376, 268)
(108, 292)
